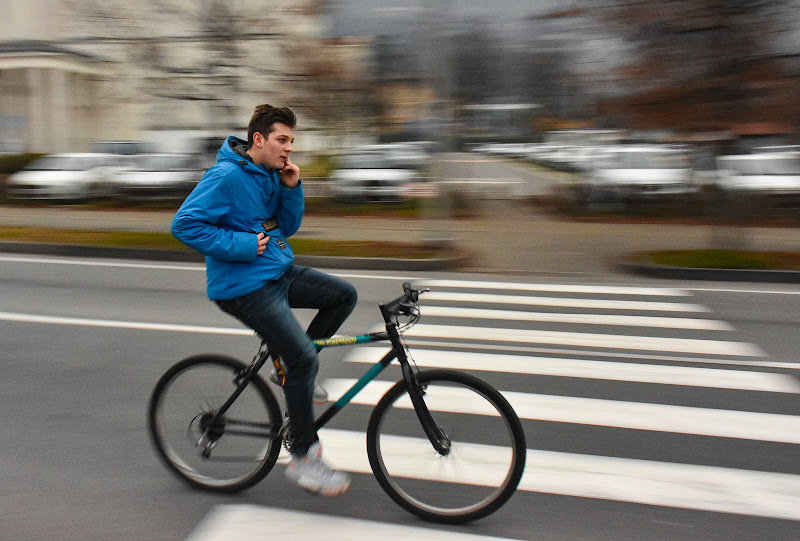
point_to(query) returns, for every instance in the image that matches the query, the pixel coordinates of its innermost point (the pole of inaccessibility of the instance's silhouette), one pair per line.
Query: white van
(766, 172)
(632, 171)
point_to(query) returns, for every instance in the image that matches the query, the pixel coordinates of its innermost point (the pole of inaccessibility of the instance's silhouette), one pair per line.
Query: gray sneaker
(313, 474)
(320, 393)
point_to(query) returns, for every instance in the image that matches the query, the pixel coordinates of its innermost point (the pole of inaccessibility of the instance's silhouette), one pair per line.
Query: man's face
(273, 149)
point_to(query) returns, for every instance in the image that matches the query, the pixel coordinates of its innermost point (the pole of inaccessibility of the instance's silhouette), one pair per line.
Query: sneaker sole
(315, 489)
(332, 493)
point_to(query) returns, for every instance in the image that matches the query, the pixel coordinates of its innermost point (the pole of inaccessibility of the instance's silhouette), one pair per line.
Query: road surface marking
(88, 322)
(582, 319)
(602, 304)
(517, 349)
(598, 412)
(583, 368)
(560, 288)
(92, 263)
(609, 341)
(441, 331)
(734, 290)
(688, 486)
(255, 523)
(163, 266)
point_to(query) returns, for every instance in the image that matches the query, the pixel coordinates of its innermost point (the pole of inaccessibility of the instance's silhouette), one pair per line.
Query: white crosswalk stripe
(583, 368)
(668, 336)
(517, 331)
(602, 304)
(598, 340)
(557, 288)
(256, 523)
(585, 319)
(592, 411)
(642, 481)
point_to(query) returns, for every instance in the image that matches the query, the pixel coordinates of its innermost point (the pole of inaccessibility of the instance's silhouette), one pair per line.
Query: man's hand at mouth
(289, 173)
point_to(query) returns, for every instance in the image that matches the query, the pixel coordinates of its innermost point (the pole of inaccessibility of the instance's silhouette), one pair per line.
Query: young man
(239, 216)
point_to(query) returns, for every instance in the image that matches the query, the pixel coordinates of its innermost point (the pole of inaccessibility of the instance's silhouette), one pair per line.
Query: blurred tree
(219, 53)
(702, 64)
(476, 58)
(337, 90)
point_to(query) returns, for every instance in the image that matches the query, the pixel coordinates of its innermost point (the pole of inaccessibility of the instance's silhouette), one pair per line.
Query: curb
(718, 275)
(189, 256)
(391, 264)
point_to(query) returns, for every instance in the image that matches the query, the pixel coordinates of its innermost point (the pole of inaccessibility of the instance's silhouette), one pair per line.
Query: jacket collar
(235, 150)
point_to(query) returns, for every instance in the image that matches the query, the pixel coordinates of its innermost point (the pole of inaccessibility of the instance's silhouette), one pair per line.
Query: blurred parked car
(577, 158)
(157, 176)
(768, 173)
(777, 148)
(704, 168)
(368, 176)
(64, 177)
(124, 148)
(640, 171)
(400, 155)
(506, 150)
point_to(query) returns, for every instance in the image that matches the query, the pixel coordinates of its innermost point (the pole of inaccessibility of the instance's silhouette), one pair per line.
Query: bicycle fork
(440, 441)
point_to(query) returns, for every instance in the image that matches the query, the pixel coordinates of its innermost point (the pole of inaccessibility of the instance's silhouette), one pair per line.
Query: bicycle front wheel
(223, 453)
(487, 451)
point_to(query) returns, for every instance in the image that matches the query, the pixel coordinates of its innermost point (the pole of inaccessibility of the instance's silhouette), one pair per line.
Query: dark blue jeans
(268, 312)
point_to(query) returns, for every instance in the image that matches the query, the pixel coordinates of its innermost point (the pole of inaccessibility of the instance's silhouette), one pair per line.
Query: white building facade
(84, 71)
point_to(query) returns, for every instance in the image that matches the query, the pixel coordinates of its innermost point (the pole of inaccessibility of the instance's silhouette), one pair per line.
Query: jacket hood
(235, 150)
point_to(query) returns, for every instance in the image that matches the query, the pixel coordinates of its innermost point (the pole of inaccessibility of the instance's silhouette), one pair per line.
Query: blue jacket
(223, 215)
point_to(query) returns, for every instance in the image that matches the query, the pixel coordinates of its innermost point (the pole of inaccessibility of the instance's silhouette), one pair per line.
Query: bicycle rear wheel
(487, 452)
(229, 454)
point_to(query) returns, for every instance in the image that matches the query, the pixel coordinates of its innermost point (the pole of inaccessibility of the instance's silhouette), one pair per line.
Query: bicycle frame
(438, 439)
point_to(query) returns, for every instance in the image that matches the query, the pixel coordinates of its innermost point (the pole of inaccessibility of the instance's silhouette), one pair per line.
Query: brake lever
(411, 293)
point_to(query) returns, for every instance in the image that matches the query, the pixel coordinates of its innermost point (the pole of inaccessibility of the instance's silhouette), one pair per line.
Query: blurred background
(687, 107)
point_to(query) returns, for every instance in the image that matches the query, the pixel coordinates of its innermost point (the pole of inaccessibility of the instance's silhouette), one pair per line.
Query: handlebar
(405, 305)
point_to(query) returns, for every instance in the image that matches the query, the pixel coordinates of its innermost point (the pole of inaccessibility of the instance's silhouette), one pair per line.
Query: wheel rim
(468, 482)
(204, 450)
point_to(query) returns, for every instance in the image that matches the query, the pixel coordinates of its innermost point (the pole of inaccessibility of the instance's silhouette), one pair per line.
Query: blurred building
(49, 97)
(88, 71)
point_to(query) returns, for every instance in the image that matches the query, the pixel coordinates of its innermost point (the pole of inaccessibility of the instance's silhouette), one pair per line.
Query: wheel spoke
(486, 458)
(224, 453)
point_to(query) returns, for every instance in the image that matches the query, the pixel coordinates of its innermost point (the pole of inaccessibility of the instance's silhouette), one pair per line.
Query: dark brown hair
(265, 116)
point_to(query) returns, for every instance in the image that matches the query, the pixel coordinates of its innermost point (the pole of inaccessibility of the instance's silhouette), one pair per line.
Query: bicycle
(218, 426)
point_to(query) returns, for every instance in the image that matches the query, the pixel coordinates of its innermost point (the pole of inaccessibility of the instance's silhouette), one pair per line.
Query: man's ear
(258, 139)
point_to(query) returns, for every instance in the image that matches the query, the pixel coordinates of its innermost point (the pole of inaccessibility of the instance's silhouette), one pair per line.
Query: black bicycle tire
(261, 387)
(492, 395)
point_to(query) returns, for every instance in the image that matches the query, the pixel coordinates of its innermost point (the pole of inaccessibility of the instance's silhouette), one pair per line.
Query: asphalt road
(653, 410)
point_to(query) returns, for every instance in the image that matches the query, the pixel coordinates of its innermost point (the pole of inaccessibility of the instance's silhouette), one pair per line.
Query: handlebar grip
(411, 294)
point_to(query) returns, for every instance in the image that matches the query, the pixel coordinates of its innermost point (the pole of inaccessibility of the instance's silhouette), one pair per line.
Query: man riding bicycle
(239, 216)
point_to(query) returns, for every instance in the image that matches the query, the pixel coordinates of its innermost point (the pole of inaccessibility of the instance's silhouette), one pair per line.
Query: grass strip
(724, 259)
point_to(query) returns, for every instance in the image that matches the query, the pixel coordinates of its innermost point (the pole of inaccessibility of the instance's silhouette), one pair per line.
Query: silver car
(157, 176)
(370, 177)
(64, 177)
(764, 172)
